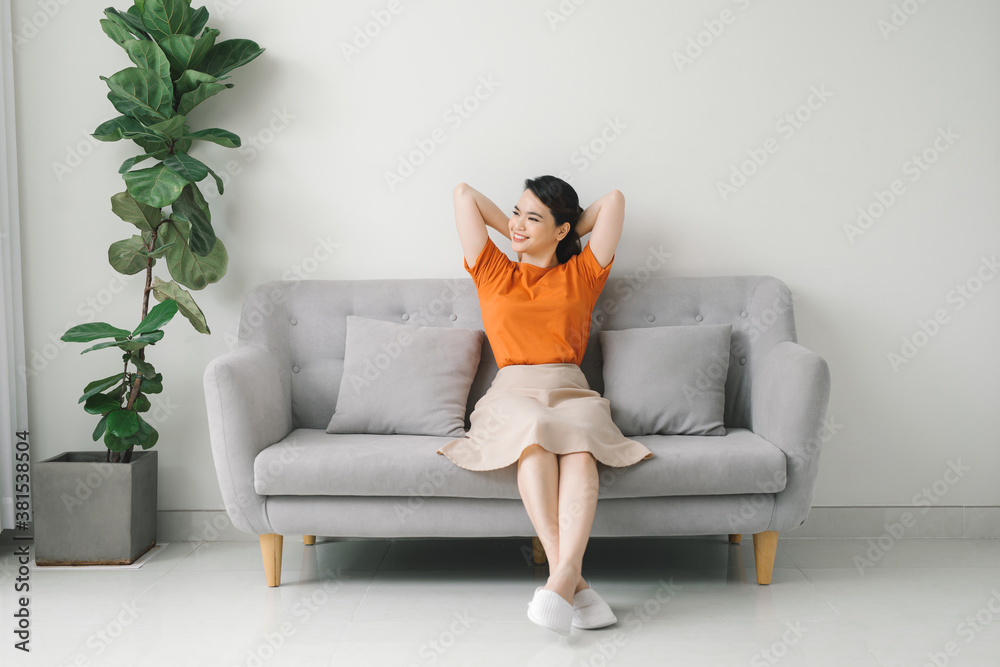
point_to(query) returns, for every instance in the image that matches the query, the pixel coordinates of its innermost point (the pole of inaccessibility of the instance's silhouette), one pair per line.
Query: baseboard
(916, 521)
(840, 522)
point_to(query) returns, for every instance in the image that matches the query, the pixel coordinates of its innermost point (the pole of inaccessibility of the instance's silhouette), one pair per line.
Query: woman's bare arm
(492, 215)
(473, 210)
(604, 218)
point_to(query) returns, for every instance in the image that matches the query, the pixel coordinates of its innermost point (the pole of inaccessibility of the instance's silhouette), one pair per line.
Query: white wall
(319, 179)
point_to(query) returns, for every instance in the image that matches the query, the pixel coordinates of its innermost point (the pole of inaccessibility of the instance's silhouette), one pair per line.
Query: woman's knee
(537, 454)
(579, 458)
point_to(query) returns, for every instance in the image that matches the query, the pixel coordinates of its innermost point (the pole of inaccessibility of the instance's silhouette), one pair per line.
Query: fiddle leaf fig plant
(178, 64)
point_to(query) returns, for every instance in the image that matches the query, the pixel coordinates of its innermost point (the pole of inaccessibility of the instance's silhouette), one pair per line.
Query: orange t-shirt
(536, 315)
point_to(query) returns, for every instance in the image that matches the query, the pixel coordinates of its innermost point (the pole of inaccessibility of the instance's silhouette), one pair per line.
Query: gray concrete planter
(88, 512)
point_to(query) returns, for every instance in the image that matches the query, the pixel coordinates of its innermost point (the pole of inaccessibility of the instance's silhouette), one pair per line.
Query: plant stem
(127, 455)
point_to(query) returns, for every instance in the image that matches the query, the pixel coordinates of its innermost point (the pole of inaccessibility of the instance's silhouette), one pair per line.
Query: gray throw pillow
(404, 378)
(667, 380)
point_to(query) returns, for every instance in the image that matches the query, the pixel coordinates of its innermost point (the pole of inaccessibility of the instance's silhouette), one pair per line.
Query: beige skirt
(551, 405)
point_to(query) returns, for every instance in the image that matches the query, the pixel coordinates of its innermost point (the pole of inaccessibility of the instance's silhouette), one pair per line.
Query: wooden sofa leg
(308, 539)
(270, 548)
(765, 545)
(537, 551)
(734, 538)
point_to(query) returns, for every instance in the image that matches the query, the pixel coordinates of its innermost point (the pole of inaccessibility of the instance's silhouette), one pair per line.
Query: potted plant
(100, 507)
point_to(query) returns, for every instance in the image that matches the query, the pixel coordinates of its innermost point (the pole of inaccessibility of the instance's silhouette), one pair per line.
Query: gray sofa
(270, 400)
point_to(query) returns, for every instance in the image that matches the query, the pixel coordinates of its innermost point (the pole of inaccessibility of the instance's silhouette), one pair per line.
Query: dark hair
(563, 202)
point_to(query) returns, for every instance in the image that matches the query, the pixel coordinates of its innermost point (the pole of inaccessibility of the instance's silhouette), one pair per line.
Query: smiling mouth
(518, 237)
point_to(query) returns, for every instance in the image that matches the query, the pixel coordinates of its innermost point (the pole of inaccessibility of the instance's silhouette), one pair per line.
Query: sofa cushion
(312, 462)
(667, 380)
(401, 378)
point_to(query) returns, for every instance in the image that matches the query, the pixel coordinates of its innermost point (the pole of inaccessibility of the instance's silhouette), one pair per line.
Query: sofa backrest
(304, 321)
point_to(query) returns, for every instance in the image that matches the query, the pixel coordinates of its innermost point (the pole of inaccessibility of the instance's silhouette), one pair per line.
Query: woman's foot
(565, 583)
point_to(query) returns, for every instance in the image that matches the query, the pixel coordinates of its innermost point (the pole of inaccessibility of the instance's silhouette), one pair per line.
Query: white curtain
(13, 392)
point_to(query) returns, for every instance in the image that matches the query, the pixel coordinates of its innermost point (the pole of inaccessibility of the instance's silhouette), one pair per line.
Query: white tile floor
(680, 601)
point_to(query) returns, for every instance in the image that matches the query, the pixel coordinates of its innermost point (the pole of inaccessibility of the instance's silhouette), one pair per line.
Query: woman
(540, 410)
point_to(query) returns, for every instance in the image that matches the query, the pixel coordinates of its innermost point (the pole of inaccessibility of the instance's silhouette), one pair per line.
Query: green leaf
(173, 127)
(84, 333)
(199, 18)
(191, 207)
(114, 443)
(125, 256)
(187, 166)
(126, 127)
(129, 20)
(136, 343)
(206, 90)
(158, 315)
(97, 386)
(101, 425)
(141, 403)
(216, 136)
(149, 55)
(218, 181)
(146, 436)
(179, 49)
(166, 17)
(113, 17)
(185, 303)
(150, 434)
(101, 346)
(185, 52)
(98, 404)
(115, 31)
(158, 149)
(140, 93)
(157, 186)
(131, 162)
(199, 200)
(202, 46)
(144, 368)
(191, 79)
(187, 268)
(228, 55)
(116, 128)
(152, 385)
(123, 423)
(142, 340)
(160, 251)
(128, 209)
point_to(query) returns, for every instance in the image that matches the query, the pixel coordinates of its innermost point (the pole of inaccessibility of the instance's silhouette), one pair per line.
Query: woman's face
(533, 220)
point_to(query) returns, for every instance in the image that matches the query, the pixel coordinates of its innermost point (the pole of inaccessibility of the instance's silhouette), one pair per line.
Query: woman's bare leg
(539, 480)
(578, 487)
(538, 484)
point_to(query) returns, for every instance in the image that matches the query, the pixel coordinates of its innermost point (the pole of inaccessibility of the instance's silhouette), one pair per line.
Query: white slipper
(590, 611)
(550, 610)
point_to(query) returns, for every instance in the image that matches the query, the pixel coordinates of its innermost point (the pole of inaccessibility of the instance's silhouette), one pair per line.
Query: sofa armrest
(789, 395)
(248, 395)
